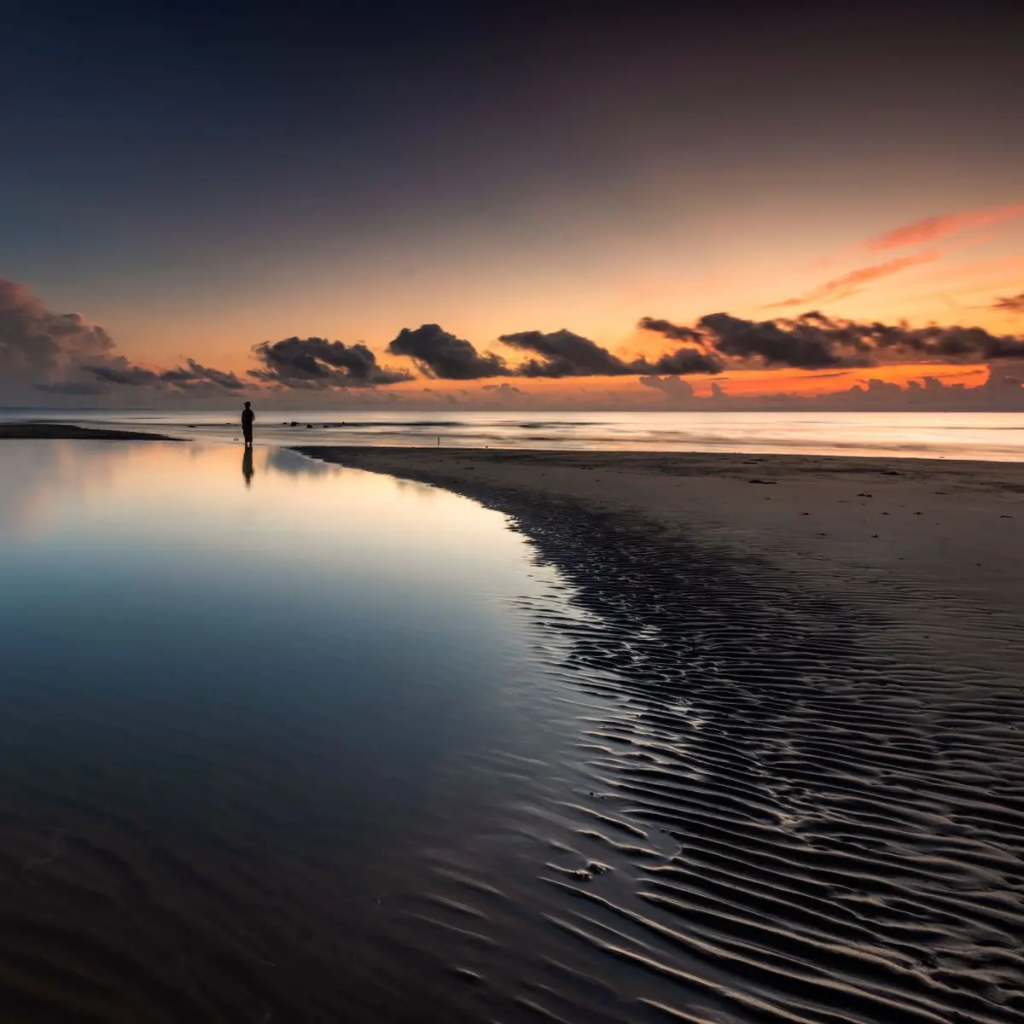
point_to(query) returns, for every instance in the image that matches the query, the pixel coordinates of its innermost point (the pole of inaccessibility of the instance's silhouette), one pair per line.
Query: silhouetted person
(247, 417)
(247, 464)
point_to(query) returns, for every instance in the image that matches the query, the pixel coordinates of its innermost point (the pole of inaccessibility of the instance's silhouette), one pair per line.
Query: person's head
(247, 405)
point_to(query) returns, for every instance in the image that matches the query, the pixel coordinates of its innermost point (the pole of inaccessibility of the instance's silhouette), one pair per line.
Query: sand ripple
(800, 822)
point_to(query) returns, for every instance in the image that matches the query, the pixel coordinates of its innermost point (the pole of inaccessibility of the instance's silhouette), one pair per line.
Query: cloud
(931, 228)
(682, 361)
(942, 344)
(197, 379)
(677, 390)
(503, 389)
(41, 347)
(669, 329)
(1010, 304)
(440, 354)
(565, 354)
(119, 371)
(814, 341)
(317, 363)
(849, 284)
(61, 354)
(196, 374)
(810, 343)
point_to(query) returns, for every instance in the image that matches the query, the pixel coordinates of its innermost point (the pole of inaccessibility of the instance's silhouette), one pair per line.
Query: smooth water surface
(954, 435)
(262, 719)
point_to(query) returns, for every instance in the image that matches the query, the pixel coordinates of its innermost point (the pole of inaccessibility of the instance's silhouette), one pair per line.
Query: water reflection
(251, 729)
(247, 470)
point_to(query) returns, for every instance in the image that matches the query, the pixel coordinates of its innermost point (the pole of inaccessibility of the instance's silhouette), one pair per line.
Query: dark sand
(69, 432)
(817, 669)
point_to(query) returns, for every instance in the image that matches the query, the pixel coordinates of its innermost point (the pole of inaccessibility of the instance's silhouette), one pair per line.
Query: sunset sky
(199, 179)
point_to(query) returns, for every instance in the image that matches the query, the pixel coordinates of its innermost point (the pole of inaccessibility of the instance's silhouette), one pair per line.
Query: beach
(624, 737)
(953, 529)
(835, 645)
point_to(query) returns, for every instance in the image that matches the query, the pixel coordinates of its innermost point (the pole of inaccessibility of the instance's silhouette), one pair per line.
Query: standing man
(247, 417)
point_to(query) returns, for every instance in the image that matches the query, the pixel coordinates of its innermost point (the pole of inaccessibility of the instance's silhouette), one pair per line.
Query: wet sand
(70, 432)
(816, 669)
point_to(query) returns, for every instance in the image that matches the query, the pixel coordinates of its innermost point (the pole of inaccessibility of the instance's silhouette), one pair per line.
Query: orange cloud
(931, 228)
(849, 284)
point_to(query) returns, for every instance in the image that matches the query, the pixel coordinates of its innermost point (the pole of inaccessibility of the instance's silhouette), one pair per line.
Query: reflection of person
(247, 464)
(247, 417)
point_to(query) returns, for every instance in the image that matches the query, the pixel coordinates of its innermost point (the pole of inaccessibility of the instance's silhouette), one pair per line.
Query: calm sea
(989, 436)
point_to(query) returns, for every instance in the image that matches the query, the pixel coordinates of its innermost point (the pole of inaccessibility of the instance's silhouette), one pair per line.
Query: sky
(355, 204)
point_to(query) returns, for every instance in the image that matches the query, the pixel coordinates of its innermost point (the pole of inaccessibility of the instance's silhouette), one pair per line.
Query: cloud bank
(62, 355)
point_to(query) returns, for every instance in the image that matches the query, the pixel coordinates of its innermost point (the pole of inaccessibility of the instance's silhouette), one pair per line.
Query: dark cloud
(197, 374)
(503, 389)
(565, 354)
(120, 371)
(41, 347)
(814, 341)
(60, 354)
(196, 379)
(810, 343)
(317, 363)
(942, 344)
(440, 354)
(683, 361)
(670, 330)
(1010, 303)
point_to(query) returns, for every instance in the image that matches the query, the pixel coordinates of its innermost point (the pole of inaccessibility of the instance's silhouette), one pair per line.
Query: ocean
(988, 436)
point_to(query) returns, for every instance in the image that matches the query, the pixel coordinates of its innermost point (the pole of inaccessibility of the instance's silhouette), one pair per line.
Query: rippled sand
(807, 738)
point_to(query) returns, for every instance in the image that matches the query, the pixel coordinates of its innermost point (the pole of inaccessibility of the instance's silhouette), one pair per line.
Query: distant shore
(70, 432)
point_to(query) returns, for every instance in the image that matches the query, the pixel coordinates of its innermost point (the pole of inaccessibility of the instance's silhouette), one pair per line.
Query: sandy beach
(836, 643)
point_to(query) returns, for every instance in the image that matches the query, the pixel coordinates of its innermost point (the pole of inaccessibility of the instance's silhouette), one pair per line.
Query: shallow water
(267, 714)
(954, 435)
(287, 742)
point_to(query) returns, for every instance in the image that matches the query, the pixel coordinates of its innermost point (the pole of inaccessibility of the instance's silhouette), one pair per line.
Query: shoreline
(950, 524)
(931, 551)
(72, 432)
(822, 705)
